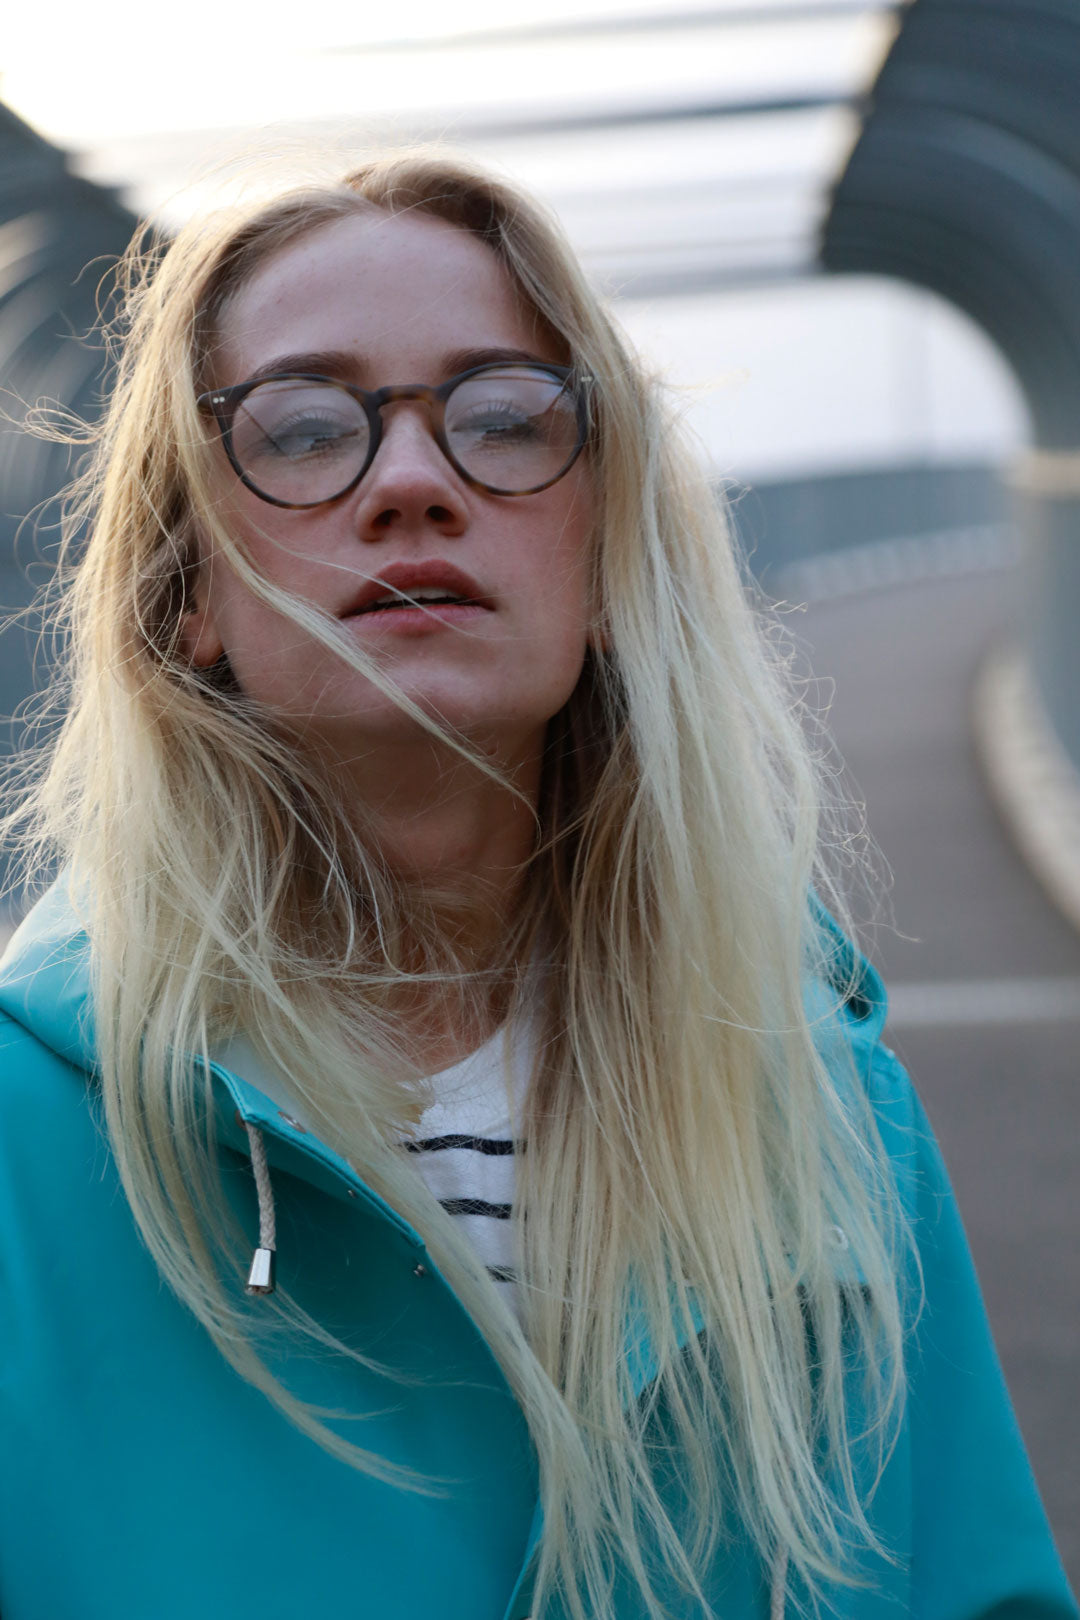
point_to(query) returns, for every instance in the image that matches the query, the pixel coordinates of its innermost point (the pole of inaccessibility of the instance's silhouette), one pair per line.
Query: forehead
(394, 292)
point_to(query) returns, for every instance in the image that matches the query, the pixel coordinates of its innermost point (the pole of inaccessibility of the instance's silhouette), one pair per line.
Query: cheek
(297, 559)
(581, 576)
(560, 603)
(567, 558)
(261, 645)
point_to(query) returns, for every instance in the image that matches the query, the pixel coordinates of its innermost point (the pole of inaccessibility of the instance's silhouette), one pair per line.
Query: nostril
(440, 514)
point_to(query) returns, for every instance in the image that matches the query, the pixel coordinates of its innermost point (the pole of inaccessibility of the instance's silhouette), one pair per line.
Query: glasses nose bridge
(399, 393)
(410, 393)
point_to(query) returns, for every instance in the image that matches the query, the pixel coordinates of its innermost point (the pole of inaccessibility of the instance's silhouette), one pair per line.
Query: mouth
(402, 602)
(431, 589)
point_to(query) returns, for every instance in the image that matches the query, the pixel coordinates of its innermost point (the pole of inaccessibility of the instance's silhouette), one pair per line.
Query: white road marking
(960, 1002)
(907, 560)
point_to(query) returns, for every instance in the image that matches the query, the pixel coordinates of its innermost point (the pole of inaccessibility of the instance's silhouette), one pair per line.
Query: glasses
(297, 440)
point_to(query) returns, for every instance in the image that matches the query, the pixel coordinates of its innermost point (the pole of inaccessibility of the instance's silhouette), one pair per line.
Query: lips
(428, 584)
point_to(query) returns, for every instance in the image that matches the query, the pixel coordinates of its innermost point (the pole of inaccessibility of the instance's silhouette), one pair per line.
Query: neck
(445, 826)
(462, 843)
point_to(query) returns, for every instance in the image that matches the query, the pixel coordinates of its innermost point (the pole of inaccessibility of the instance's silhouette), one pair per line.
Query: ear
(199, 636)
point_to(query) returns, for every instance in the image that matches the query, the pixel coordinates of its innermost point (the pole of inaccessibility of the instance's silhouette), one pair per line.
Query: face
(376, 300)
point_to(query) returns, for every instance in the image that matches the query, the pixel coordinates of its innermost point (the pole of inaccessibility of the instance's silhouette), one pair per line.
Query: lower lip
(414, 621)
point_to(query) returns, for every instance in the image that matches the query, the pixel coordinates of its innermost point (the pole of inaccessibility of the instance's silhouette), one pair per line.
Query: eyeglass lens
(302, 442)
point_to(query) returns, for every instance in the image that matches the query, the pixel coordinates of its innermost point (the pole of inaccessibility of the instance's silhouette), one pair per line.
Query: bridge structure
(965, 179)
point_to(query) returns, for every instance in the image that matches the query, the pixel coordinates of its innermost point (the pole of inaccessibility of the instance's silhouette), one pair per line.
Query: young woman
(441, 919)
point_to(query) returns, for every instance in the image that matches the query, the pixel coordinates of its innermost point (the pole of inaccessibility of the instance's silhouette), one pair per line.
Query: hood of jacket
(45, 986)
(45, 978)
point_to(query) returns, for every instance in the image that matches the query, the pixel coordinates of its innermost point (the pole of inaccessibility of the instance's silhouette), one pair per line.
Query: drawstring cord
(778, 1599)
(261, 1279)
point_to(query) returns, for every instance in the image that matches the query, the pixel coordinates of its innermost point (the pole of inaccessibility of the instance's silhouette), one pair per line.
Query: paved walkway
(985, 977)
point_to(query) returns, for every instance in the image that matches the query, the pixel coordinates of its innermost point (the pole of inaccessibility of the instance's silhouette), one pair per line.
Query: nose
(410, 486)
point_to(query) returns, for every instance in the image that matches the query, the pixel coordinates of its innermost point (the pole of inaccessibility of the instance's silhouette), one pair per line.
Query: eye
(494, 423)
(304, 436)
(523, 412)
(283, 421)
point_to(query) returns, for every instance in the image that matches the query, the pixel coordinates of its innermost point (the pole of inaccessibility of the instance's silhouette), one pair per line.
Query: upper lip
(409, 577)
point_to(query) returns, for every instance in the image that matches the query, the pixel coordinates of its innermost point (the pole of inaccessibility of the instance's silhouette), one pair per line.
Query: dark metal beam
(686, 283)
(966, 180)
(58, 235)
(657, 22)
(627, 117)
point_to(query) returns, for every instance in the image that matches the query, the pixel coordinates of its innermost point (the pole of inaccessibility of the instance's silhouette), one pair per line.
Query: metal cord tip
(261, 1277)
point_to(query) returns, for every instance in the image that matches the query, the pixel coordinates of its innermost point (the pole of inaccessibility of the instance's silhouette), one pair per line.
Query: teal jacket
(142, 1479)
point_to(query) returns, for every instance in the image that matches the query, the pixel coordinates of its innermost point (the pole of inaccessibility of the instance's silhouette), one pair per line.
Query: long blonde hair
(691, 1151)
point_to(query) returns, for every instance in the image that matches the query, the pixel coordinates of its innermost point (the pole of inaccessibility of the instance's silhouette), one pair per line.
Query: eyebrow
(343, 364)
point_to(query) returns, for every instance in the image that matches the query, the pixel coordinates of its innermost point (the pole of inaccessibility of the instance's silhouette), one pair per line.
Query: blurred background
(848, 235)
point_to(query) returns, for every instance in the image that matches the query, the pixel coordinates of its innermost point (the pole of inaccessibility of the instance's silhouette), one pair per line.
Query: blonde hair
(691, 1150)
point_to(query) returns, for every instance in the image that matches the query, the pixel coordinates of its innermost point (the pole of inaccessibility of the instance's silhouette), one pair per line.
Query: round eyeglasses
(297, 439)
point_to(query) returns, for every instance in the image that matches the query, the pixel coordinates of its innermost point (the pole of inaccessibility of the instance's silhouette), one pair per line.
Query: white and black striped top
(464, 1145)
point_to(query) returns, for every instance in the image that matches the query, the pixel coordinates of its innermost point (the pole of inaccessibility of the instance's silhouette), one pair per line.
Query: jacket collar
(45, 978)
(45, 986)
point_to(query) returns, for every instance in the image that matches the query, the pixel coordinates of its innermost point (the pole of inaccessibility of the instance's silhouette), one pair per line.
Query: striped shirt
(464, 1146)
